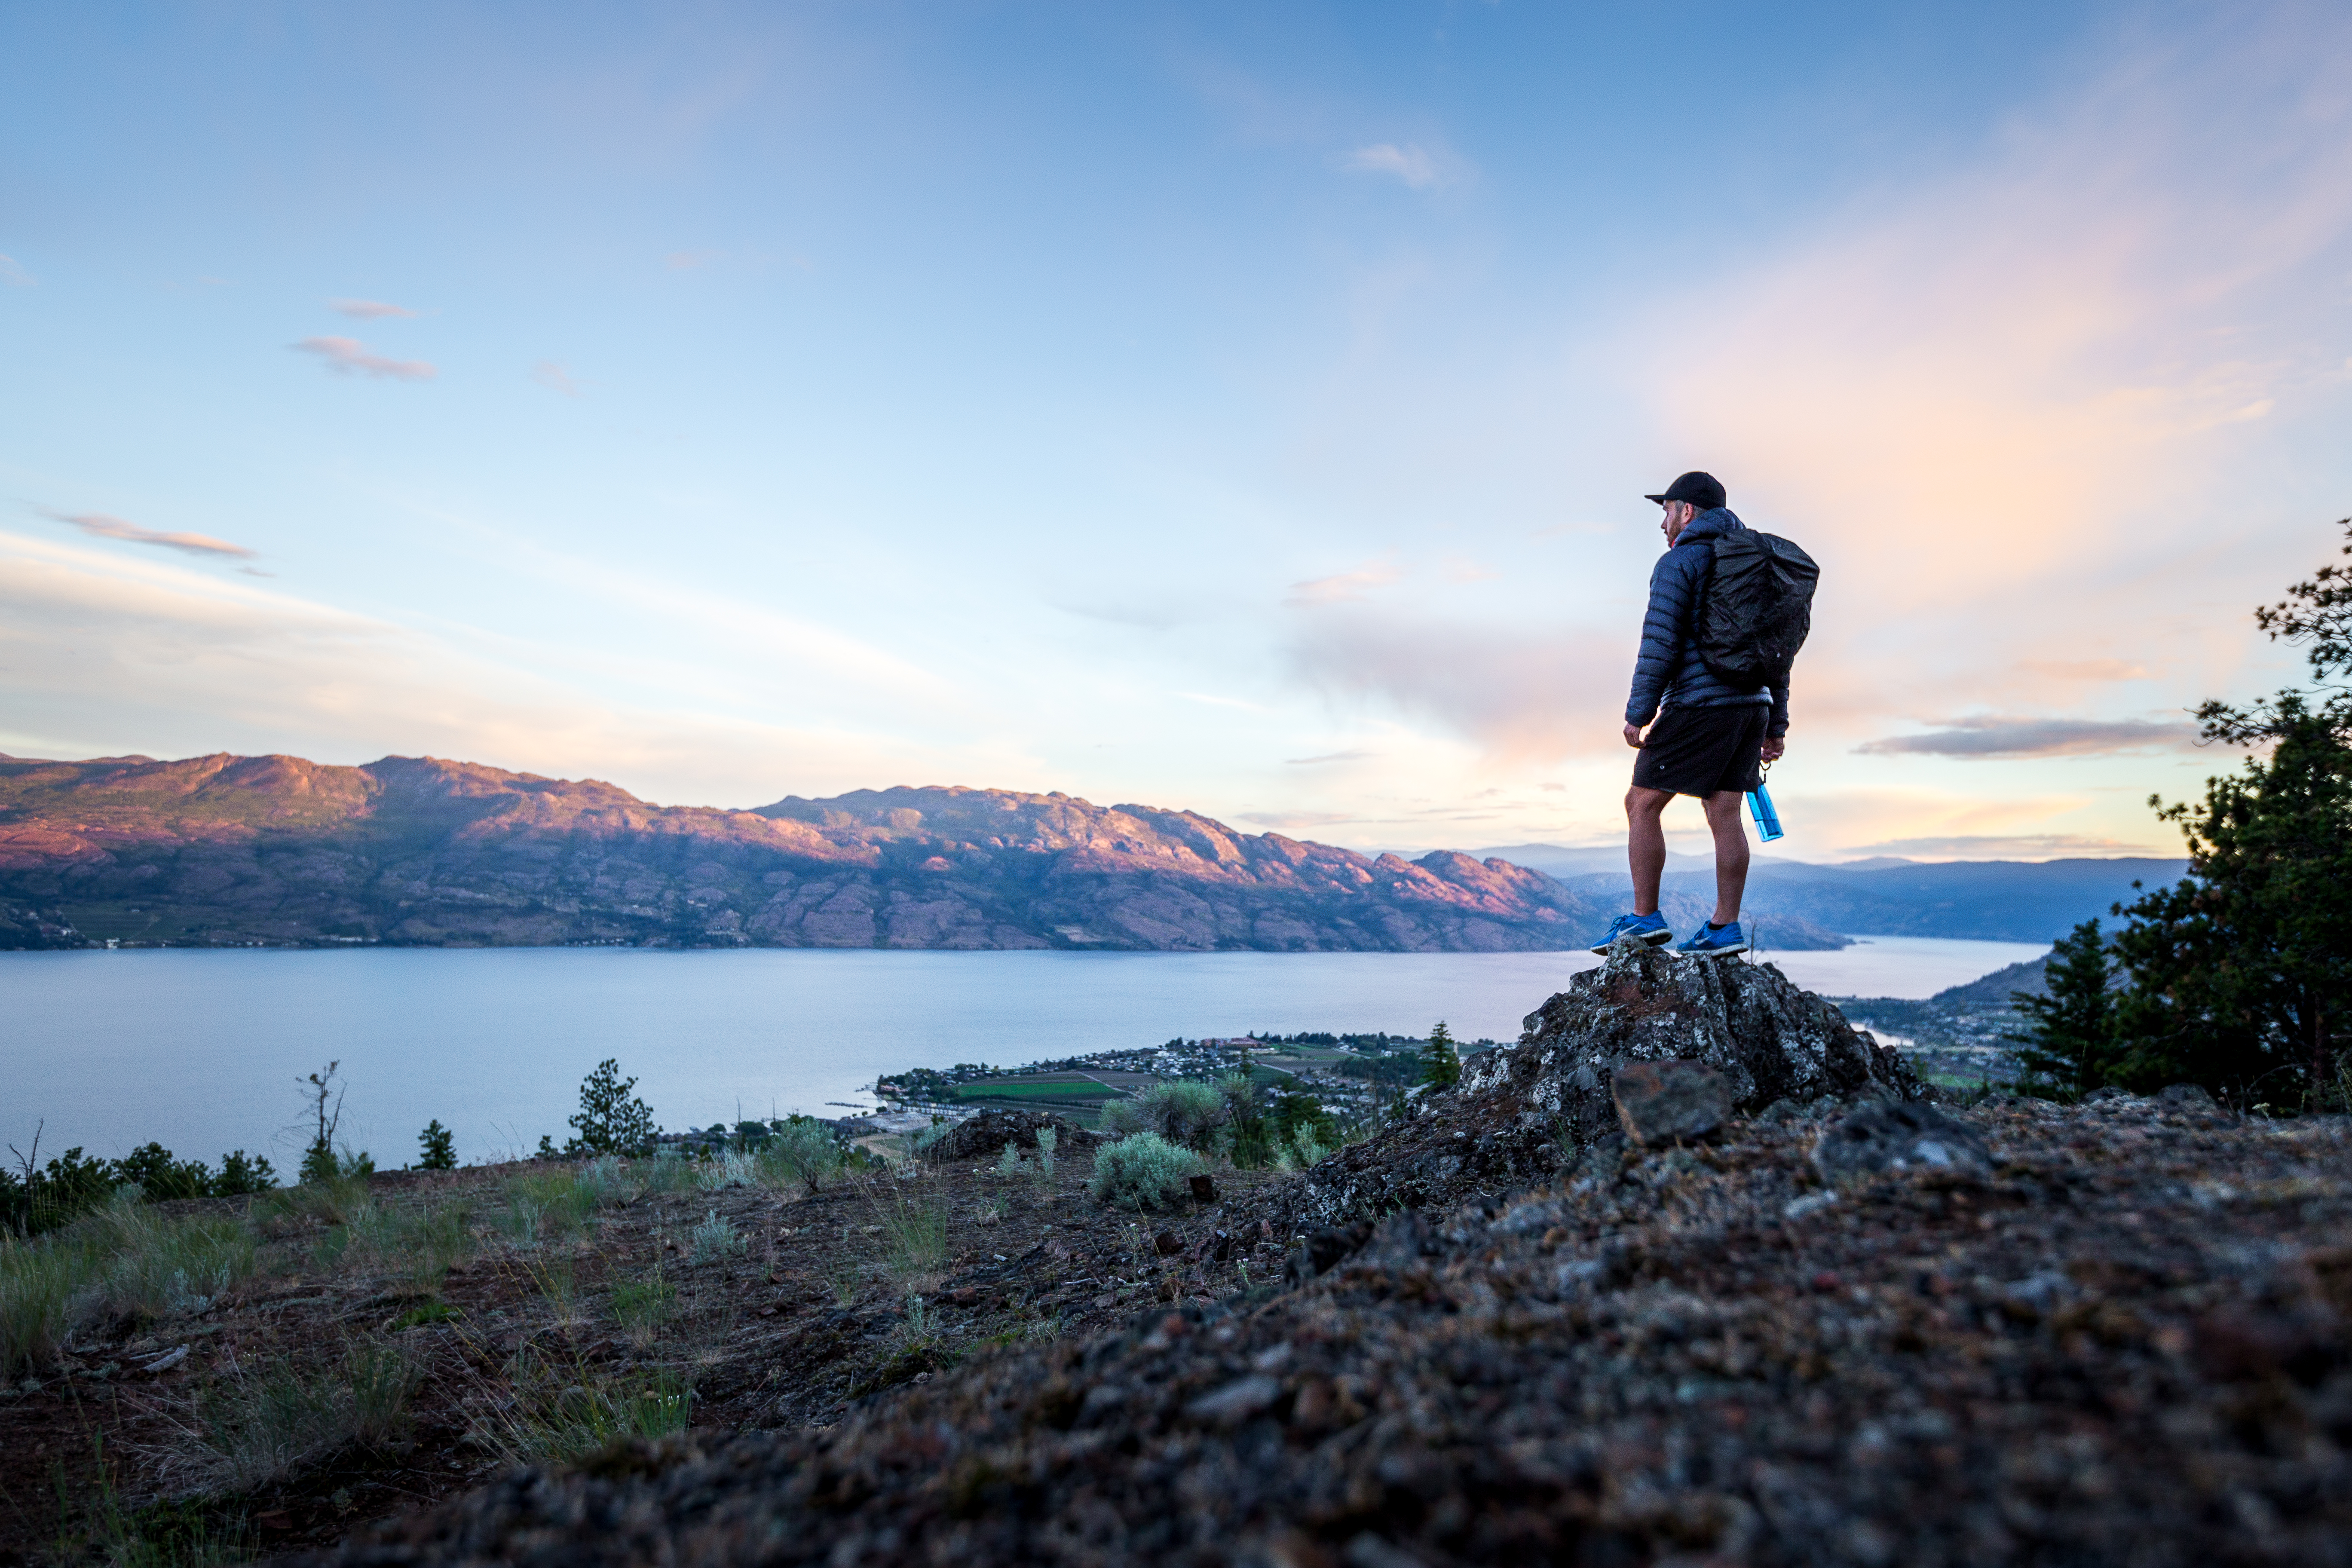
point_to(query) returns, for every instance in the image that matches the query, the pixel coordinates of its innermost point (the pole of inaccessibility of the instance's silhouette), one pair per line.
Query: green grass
(334, 1202)
(40, 1283)
(259, 1424)
(125, 1259)
(914, 1221)
(564, 1411)
(644, 1306)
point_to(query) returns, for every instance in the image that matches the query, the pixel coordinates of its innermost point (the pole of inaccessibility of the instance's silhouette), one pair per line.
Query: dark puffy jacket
(1669, 673)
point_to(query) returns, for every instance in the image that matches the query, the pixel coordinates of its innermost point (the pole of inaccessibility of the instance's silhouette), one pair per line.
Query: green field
(1073, 1090)
(122, 923)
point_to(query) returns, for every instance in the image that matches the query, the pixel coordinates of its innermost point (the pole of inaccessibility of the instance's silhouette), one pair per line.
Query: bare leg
(1645, 844)
(1730, 832)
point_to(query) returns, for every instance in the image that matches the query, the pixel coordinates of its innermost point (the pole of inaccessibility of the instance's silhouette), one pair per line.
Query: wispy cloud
(1295, 820)
(2086, 669)
(690, 260)
(1221, 701)
(2005, 846)
(1409, 164)
(2052, 358)
(12, 272)
(368, 309)
(191, 660)
(1524, 695)
(1993, 736)
(99, 525)
(348, 356)
(1342, 587)
(555, 378)
(1327, 757)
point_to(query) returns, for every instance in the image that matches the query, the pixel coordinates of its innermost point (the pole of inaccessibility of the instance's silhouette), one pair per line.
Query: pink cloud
(1995, 735)
(101, 526)
(368, 309)
(1342, 587)
(555, 378)
(348, 356)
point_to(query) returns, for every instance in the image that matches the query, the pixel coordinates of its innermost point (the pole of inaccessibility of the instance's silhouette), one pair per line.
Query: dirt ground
(2125, 1345)
(834, 1299)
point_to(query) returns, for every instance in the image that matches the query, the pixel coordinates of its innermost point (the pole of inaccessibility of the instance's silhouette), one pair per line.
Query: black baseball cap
(1701, 489)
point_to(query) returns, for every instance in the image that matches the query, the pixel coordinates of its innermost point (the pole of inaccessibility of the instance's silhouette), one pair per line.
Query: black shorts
(1704, 750)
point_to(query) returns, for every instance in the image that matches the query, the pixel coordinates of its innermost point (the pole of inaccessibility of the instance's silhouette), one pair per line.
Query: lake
(200, 1050)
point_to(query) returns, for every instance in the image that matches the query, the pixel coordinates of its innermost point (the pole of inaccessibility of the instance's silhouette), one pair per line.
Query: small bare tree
(322, 1100)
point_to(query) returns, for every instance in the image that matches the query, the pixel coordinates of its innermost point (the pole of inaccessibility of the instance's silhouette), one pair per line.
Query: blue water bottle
(1768, 821)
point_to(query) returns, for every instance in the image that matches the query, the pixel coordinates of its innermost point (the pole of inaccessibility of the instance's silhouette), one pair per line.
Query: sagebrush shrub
(1180, 1112)
(716, 1238)
(800, 1151)
(1142, 1170)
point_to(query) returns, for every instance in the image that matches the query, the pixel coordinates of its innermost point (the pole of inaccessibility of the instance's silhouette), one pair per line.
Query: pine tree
(440, 1148)
(611, 1120)
(2070, 1048)
(1441, 1064)
(2237, 973)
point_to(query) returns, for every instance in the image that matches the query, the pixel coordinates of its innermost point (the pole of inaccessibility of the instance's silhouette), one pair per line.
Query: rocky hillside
(225, 849)
(1776, 1311)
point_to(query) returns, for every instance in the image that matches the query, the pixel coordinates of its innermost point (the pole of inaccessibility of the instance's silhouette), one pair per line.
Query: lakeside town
(1350, 1076)
(1959, 1038)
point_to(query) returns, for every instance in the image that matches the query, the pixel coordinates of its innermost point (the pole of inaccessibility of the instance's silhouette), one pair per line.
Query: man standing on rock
(1711, 738)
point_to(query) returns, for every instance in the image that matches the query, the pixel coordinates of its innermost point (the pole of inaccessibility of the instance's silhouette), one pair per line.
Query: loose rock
(1880, 1138)
(1664, 1102)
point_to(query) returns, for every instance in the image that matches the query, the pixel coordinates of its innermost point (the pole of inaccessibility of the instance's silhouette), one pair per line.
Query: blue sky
(1243, 408)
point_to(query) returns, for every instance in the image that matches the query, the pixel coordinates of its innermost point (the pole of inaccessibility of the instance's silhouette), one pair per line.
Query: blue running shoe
(1650, 929)
(1712, 940)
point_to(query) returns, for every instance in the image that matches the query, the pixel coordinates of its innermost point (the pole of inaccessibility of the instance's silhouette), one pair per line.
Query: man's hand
(1774, 746)
(1634, 736)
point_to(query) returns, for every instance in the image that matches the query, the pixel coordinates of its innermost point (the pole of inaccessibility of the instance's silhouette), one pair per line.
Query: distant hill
(1994, 989)
(225, 849)
(1989, 901)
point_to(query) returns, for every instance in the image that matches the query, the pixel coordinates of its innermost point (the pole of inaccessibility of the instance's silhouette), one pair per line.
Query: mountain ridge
(225, 849)
(1984, 900)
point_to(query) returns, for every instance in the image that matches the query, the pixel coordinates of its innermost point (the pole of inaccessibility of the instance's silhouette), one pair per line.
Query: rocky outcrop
(1770, 1039)
(985, 1136)
(420, 850)
(1527, 1110)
